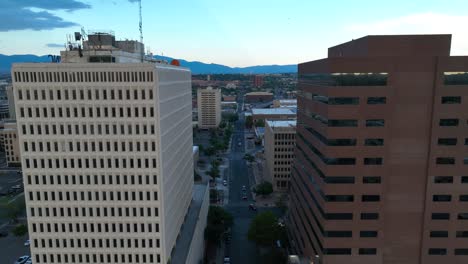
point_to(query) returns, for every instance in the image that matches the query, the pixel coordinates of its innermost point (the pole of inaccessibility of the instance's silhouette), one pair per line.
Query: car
(27, 242)
(244, 188)
(239, 144)
(224, 182)
(252, 207)
(227, 260)
(244, 197)
(22, 259)
(3, 234)
(29, 261)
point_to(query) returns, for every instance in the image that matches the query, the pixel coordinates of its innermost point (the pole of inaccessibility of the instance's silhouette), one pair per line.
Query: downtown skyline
(240, 33)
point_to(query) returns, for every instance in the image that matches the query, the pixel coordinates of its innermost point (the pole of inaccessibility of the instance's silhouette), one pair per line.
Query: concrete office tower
(9, 138)
(381, 168)
(106, 149)
(209, 108)
(280, 138)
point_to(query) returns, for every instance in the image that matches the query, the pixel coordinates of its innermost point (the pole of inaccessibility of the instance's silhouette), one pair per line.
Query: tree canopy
(219, 220)
(264, 188)
(264, 229)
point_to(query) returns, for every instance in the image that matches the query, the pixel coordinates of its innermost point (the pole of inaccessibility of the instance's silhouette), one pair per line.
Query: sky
(230, 32)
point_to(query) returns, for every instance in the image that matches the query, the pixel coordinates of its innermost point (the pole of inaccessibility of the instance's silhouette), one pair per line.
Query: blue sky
(230, 32)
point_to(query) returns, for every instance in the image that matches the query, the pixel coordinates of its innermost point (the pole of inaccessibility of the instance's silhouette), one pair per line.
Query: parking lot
(8, 179)
(12, 247)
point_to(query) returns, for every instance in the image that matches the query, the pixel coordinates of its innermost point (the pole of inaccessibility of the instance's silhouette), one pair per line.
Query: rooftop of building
(184, 240)
(258, 93)
(288, 101)
(195, 149)
(209, 88)
(281, 123)
(273, 111)
(394, 45)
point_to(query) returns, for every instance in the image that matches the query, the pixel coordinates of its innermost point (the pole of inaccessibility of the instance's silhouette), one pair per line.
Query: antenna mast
(141, 33)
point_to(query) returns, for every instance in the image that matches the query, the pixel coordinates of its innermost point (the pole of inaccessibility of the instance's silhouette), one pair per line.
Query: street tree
(264, 229)
(219, 221)
(264, 188)
(249, 158)
(248, 122)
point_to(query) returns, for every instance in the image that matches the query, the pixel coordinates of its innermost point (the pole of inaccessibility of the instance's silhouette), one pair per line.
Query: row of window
(94, 212)
(446, 216)
(87, 112)
(343, 100)
(87, 76)
(449, 160)
(89, 146)
(448, 198)
(350, 198)
(344, 79)
(343, 141)
(350, 234)
(90, 196)
(449, 141)
(446, 122)
(89, 129)
(94, 227)
(351, 179)
(443, 251)
(347, 251)
(90, 163)
(97, 258)
(287, 136)
(92, 180)
(342, 122)
(449, 179)
(446, 234)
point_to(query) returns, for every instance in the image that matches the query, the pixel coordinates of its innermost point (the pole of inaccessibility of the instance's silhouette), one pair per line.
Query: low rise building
(280, 139)
(273, 114)
(292, 103)
(10, 143)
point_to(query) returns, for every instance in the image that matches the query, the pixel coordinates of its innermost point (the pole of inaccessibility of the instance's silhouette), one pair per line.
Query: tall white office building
(106, 148)
(209, 107)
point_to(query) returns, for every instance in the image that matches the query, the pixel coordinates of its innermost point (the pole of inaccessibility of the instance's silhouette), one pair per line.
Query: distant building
(258, 81)
(11, 102)
(381, 168)
(285, 103)
(273, 114)
(258, 97)
(231, 86)
(10, 142)
(228, 98)
(209, 107)
(279, 141)
(4, 110)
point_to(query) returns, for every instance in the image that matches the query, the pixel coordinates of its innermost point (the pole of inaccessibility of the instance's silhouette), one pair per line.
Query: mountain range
(195, 66)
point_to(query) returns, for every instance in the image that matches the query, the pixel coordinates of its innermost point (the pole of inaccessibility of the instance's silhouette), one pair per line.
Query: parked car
(252, 207)
(227, 260)
(27, 243)
(244, 197)
(244, 188)
(22, 260)
(224, 182)
(3, 234)
(29, 261)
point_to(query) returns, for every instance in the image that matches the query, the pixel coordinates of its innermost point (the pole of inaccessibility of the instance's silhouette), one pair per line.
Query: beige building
(9, 137)
(280, 138)
(291, 103)
(209, 107)
(106, 149)
(273, 114)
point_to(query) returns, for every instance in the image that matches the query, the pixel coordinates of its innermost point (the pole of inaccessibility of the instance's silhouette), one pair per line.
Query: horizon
(240, 34)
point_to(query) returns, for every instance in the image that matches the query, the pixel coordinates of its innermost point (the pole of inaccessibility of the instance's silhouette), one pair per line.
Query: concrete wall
(197, 247)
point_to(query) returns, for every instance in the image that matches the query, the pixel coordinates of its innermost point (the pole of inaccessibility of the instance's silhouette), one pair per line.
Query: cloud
(422, 23)
(55, 45)
(18, 14)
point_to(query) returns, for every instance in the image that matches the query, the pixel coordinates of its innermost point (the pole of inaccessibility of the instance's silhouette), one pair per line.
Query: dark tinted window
(369, 216)
(343, 100)
(463, 198)
(448, 122)
(373, 161)
(455, 78)
(443, 179)
(464, 179)
(375, 123)
(342, 123)
(339, 216)
(338, 234)
(367, 251)
(439, 234)
(466, 141)
(374, 142)
(445, 161)
(437, 251)
(461, 251)
(376, 100)
(370, 198)
(368, 234)
(371, 179)
(447, 141)
(463, 216)
(451, 100)
(339, 180)
(342, 142)
(462, 233)
(337, 251)
(441, 198)
(339, 198)
(440, 216)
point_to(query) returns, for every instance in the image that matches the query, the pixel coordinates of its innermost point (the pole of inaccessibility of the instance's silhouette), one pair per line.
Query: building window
(441, 198)
(370, 198)
(339, 198)
(439, 234)
(373, 161)
(455, 78)
(337, 251)
(374, 142)
(367, 251)
(445, 161)
(375, 123)
(463, 216)
(338, 234)
(463, 198)
(440, 216)
(449, 122)
(376, 100)
(369, 216)
(339, 180)
(342, 123)
(371, 179)
(462, 234)
(447, 141)
(451, 100)
(443, 179)
(437, 251)
(461, 251)
(368, 234)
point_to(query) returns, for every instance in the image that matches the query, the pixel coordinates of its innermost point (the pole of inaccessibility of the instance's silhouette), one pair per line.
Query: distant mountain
(195, 66)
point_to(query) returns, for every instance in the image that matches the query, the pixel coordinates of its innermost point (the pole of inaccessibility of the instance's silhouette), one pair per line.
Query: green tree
(20, 230)
(264, 229)
(249, 158)
(210, 151)
(213, 172)
(219, 220)
(248, 122)
(260, 123)
(264, 188)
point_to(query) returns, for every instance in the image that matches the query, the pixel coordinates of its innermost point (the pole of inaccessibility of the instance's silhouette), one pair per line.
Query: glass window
(345, 79)
(342, 123)
(374, 142)
(451, 100)
(375, 123)
(368, 234)
(337, 251)
(338, 234)
(437, 251)
(441, 198)
(443, 179)
(463, 216)
(376, 100)
(447, 141)
(339, 198)
(339, 180)
(439, 234)
(371, 179)
(440, 216)
(462, 234)
(449, 122)
(455, 78)
(370, 198)
(461, 251)
(367, 251)
(445, 161)
(463, 198)
(373, 161)
(343, 100)
(369, 216)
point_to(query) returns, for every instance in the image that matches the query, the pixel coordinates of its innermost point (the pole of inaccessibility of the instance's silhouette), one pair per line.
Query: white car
(224, 182)
(22, 260)
(27, 242)
(29, 261)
